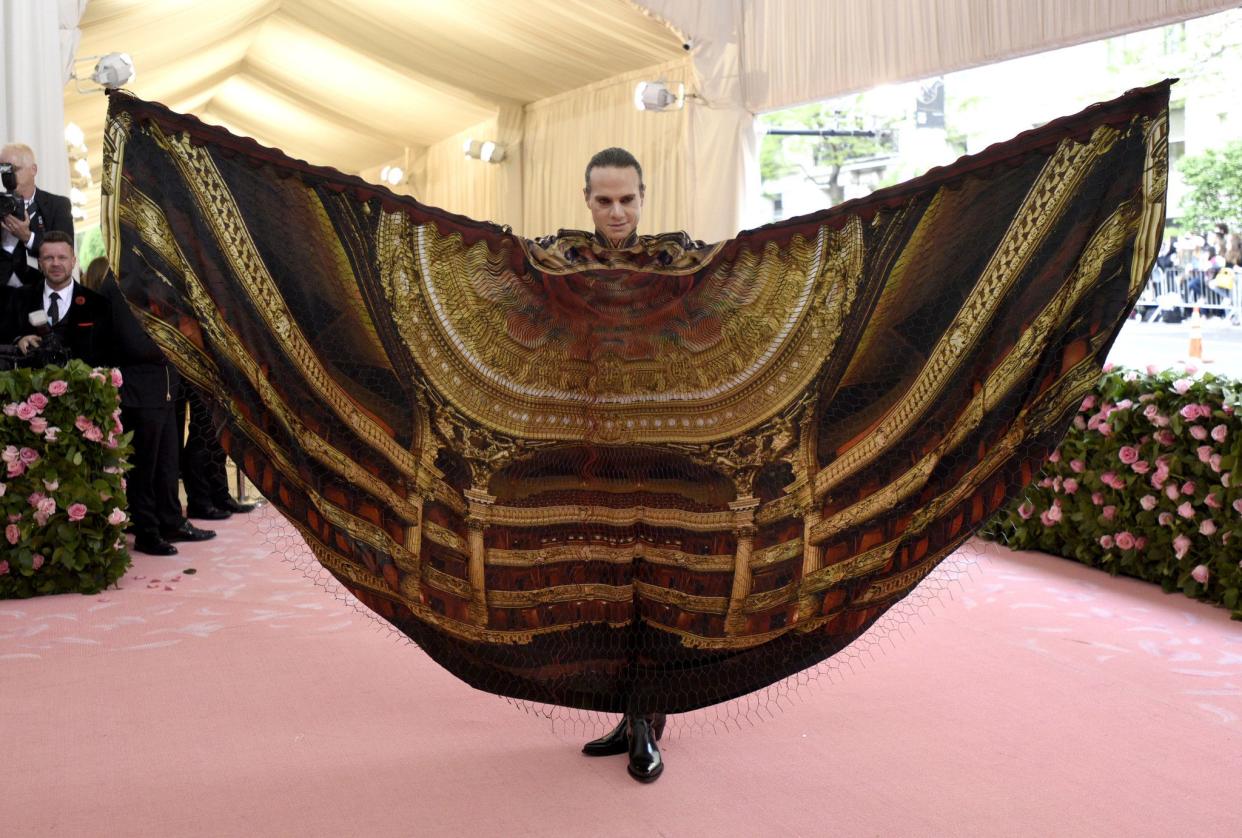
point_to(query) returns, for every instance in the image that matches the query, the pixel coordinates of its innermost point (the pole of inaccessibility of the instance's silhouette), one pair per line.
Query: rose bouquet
(1143, 484)
(62, 487)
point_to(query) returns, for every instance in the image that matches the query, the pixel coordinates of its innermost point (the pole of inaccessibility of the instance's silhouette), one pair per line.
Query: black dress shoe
(617, 741)
(646, 764)
(231, 504)
(188, 532)
(153, 545)
(207, 513)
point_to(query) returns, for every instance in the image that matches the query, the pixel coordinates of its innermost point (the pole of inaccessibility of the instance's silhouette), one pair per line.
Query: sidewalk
(1165, 345)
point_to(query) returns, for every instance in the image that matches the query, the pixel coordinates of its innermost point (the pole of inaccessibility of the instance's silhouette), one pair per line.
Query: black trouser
(202, 458)
(151, 485)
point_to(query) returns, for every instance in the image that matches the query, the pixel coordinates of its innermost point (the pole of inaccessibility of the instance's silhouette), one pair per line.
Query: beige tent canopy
(359, 84)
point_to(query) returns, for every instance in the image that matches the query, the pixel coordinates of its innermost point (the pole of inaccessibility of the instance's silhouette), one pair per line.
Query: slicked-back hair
(617, 158)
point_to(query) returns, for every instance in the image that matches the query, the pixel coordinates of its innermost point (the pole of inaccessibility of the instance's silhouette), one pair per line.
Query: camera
(10, 202)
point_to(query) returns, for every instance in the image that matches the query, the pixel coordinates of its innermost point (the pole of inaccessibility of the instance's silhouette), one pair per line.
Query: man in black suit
(42, 213)
(149, 394)
(79, 317)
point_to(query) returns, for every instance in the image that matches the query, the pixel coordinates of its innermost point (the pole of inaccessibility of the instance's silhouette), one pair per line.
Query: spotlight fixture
(392, 175)
(659, 96)
(488, 151)
(114, 70)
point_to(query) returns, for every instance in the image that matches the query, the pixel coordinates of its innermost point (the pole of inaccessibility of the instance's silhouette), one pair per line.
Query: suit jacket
(149, 380)
(86, 330)
(50, 212)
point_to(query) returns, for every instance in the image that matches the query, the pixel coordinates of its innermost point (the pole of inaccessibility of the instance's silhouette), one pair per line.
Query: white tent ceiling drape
(360, 83)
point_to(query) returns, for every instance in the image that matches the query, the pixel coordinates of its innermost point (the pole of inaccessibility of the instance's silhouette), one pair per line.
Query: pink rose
(58, 387)
(1204, 452)
(16, 469)
(1097, 498)
(28, 455)
(1125, 540)
(1106, 541)
(1181, 385)
(10, 409)
(1109, 367)
(1046, 519)
(1140, 467)
(1205, 410)
(4, 568)
(1087, 404)
(1181, 545)
(51, 485)
(1070, 486)
(1109, 512)
(1151, 412)
(1107, 479)
(1188, 488)
(117, 517)
(1078, 466)
(1212, 501)
(1207, 527)
(1191, 369)
(52, 434)
(1200, 574)
(1148, 502)
(38, 424)
(1152, 369)
(93, 433)
(1220, 433)
(1128, 454)
(1198, 432)
(1105, 429)
(36, 560)
(82, 423)
(1186, 510)
(38, 401)
(77, 511)
(1165, 518)
(1226, 478)
(1140, 543)
(1161, 421)
(1237, 506)
(1079, 422)
(25, 412)
(117, 381)
(1157, 479)
(1214, 462)
(13, 533)
(9, 455)
(1055, 456)
(1124, 404)
(1056, 484)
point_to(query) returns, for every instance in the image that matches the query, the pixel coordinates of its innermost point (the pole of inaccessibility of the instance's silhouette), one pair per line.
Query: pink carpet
(1043, 698)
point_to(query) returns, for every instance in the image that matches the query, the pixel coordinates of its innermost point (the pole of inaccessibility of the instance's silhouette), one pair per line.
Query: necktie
(53, 308)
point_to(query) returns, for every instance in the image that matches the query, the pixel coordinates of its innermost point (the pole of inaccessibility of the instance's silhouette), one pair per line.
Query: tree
(783, 155)
(1213, 188)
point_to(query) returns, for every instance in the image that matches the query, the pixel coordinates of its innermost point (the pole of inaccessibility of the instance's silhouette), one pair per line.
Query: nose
(617, 211)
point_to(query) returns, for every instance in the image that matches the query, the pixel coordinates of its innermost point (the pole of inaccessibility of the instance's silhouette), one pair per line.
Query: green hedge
(1143, 485)
(62, 489)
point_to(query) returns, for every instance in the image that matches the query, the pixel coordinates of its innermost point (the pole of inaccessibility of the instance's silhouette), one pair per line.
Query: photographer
(78, 319)
(27, 214)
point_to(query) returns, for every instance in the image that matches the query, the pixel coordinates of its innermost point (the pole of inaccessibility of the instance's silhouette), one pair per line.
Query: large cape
(648, 478)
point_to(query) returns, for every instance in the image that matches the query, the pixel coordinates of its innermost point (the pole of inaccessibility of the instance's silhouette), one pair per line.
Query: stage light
(392, 175)
(491, 152)
(659, 96)
(472, 149)
(114, 70)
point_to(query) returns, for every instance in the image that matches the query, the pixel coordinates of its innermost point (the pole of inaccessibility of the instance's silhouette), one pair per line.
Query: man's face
(615, 200)
(56, 261)
(24, 168)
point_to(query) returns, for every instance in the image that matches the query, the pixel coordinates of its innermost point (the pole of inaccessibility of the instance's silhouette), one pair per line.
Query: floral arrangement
(1143, 484)
(62, 490)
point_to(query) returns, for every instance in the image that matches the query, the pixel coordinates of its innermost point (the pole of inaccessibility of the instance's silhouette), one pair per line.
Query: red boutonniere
(79, 300)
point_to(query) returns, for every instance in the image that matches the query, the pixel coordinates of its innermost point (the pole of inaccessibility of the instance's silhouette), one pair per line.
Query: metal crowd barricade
(1171, 292)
